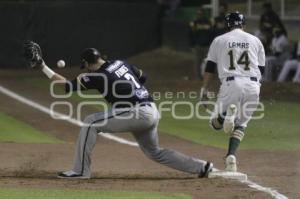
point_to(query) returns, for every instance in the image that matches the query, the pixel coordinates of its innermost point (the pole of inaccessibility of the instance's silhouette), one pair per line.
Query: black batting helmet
(234, 19)
(89, 55)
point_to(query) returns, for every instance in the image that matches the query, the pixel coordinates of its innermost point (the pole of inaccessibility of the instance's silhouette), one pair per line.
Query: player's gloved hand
(33, 54)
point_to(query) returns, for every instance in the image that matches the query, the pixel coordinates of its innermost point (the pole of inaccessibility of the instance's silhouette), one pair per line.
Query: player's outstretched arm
(33, 54)
(51, 74)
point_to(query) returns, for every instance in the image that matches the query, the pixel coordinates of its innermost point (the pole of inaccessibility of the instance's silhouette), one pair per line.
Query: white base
(228, 175)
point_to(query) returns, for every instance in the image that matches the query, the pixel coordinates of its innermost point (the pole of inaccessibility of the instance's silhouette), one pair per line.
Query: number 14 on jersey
(243, 60)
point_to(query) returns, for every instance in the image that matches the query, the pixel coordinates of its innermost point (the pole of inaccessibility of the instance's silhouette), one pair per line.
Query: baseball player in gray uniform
(239, 59)
(132, 111)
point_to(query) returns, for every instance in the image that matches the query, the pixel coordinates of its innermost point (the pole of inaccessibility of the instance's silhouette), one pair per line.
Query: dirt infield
(121, 167)
(28, 165)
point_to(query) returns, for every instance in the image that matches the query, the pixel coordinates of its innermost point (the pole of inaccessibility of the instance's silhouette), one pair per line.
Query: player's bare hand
(203, 94)
(206, 97)
(33, 54)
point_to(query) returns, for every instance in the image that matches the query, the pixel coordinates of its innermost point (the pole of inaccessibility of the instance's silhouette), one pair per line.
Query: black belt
(141, 104)
(145, 104)
(231, 78)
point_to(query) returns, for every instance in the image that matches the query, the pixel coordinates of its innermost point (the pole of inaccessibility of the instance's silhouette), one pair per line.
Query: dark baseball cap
(89, 55)
(235, 19)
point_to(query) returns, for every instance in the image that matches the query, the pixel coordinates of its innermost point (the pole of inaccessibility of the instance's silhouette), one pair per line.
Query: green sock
(233, 146)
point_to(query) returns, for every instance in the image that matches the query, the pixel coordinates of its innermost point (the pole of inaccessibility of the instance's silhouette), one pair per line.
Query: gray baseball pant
(142, 122)
(288, 66)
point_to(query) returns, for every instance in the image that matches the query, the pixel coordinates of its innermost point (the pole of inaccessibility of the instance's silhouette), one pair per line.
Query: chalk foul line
(274, 193)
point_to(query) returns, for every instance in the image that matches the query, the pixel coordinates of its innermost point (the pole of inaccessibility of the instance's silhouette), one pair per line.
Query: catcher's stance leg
(142, 121)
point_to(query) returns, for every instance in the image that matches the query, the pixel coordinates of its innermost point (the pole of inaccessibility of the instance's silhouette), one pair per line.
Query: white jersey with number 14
(237, 53)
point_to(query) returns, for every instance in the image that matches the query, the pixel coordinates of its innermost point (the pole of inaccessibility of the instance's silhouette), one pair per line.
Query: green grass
(279, 129)
(77, 194)
(13, 130)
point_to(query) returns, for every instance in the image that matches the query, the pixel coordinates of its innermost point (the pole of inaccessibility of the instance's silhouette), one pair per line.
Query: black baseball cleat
(207, 169)
(71, 175)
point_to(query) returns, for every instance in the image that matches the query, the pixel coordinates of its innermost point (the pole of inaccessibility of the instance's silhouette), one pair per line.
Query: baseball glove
(33, 54)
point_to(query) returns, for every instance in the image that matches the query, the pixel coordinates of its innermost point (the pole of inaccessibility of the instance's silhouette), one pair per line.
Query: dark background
(64, 28)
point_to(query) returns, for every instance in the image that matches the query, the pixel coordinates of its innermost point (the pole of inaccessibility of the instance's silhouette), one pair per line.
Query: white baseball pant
(244, 93)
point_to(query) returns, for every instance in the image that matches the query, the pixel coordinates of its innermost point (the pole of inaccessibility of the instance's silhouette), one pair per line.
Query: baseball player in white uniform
(239, 58)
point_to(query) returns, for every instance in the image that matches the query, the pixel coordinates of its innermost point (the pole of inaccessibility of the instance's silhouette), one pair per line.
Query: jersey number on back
(243, 60)
(129, 77)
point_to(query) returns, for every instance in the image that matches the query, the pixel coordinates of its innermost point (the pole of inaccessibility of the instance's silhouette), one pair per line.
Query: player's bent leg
(229, 94)
(148, 142)
(250, 102)
(85, 143)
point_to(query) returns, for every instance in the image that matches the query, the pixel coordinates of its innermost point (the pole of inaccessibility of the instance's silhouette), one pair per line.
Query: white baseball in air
(61, 64)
